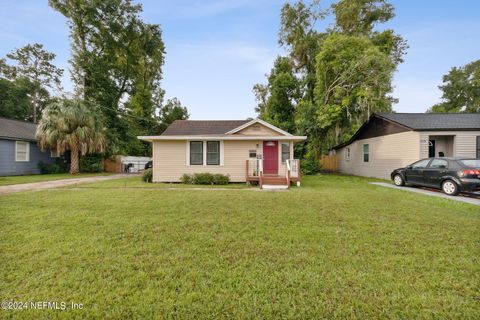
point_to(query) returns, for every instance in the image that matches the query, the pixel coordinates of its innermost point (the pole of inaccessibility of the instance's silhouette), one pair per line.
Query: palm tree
(70, 125)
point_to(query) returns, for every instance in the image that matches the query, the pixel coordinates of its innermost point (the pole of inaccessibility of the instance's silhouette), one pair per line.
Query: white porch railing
(293, 166)
(254, 167)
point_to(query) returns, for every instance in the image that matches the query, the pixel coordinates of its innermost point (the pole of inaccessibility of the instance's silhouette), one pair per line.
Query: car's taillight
(470, 172)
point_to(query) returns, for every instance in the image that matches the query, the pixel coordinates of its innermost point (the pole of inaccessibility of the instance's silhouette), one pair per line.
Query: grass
(137, 183)
(335, 248)
(9, 180)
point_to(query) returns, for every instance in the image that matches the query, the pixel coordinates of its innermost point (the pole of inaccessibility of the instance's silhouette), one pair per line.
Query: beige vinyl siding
(170, 160)
(464, 143)
(258, 129)
(386, 153)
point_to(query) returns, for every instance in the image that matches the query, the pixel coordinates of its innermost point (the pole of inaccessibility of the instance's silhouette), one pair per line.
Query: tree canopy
(331, 80)
(461, 90)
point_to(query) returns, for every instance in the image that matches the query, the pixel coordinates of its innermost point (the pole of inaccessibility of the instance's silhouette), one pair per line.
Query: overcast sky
(218, 49)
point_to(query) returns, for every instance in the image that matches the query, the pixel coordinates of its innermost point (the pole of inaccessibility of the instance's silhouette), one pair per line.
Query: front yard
(335, 248)
(10, 180)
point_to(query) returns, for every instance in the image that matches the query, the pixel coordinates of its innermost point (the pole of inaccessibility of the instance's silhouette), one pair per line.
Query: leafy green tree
(15, 102)
(344, 71)
(116, 62)
(354, 78)
(71, 125)
(461, 90)
(171, 111)
(35, 63)
(283, 92)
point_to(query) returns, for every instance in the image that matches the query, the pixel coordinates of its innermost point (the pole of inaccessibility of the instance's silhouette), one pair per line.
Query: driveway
(35, 186)
(473, 199)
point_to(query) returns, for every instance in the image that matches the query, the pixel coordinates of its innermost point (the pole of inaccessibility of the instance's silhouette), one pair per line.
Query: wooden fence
(328, 163)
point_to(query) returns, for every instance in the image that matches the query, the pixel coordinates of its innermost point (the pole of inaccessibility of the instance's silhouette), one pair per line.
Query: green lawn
(335, 248)
(4, 181)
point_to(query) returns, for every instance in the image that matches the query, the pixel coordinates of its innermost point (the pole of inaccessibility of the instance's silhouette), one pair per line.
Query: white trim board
(266, 124)
(223, 137)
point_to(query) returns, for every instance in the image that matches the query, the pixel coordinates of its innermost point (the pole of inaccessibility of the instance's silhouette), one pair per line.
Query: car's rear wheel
(398, 180)
(450, 187)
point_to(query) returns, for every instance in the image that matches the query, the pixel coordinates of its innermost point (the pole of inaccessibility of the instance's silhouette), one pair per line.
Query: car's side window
(439, 164)
(421, 164)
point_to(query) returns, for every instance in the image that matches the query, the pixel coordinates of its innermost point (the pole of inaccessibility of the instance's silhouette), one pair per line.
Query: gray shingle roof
(15, 129)
(202, 127)
(435, 121)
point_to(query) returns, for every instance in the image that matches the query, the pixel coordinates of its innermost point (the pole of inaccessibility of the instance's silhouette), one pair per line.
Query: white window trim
(281, 151)
(54, 154)
(222, 153)
(27, 156)
(347, 153)
(364, 153)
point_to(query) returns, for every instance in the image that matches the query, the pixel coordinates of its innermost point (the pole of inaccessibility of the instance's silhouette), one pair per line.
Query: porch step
(274, 187)
(274, 181)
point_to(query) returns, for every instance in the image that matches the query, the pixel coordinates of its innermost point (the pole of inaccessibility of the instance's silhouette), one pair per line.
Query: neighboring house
(246, 150)
(392, 140)
(19, 153)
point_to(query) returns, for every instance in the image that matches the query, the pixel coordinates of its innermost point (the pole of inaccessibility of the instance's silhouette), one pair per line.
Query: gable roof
(266, 124)
(16, 129)
(435, 121)
(422, 122)
(202, 127)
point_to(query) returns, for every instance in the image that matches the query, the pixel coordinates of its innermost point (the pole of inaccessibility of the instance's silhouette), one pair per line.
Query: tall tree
(354, 80)
(171, 111)
(71, 125)
(15, 102)
(461, 90)
(34, 63)
(344, 71)
(117, 58)
(277, 101)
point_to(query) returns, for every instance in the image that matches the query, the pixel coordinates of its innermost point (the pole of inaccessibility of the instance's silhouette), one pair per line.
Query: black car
(148, 165)
(452, 175)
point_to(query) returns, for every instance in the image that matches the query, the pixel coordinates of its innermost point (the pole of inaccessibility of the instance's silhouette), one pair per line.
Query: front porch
(441, 146)
(254, 173)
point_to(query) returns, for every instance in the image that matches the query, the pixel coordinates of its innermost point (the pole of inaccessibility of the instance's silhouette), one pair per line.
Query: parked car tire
(398, 180)
(450, 187)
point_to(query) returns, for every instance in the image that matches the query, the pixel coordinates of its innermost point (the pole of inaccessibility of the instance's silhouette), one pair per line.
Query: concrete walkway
(36, 186)
(472, 199)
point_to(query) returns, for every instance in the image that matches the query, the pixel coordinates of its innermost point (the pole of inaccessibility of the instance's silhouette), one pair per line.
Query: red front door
(270, 157)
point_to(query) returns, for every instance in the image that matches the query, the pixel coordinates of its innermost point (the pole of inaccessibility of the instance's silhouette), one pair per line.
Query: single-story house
(391, 140)
(246, 150)
(19, 153)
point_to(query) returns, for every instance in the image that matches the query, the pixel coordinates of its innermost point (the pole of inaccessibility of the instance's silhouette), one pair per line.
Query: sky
(216, 50)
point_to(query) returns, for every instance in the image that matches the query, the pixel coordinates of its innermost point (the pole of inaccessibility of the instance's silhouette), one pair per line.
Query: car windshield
(472, 163)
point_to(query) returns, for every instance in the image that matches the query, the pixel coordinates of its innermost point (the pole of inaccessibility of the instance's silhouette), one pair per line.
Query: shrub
(310, 166)
(221, 179)
(91, 163)
(147, 176)
(48, 168)
(205, 178)
(186, 178)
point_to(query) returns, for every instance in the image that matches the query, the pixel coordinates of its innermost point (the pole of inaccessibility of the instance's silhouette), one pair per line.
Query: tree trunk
(74, 160)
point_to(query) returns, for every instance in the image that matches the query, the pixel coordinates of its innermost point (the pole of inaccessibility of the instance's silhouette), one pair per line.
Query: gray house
(19, 153)
(392, 140)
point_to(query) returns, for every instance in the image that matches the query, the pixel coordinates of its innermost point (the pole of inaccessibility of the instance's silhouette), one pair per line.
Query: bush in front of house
(91, 163)
(48, 168)
(186, 178)
(220, 179)
(205, 178)
(310, 166)
(147, 176)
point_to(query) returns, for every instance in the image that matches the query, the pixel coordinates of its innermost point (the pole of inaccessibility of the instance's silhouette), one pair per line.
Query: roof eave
(222, 137)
